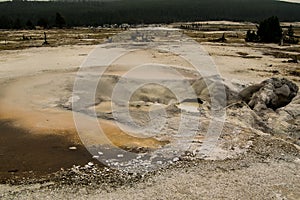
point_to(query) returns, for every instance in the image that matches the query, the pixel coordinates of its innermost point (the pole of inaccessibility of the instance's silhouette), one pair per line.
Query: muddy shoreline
(251, 175)
(23, 154)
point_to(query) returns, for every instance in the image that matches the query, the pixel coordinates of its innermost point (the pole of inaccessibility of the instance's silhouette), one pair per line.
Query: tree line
(270, 31)
(8, 23)
(22, 14)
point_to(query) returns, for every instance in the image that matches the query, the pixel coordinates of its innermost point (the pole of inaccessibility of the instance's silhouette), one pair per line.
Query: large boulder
(273, 93)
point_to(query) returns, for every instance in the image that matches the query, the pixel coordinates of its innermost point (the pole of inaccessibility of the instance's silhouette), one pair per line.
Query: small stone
(72, 148)
(297, 160)
(175, 159)
(100, 153)
(120, 156)
(159, 162)
(249, 144)
(13, 170)
(96, 157)
(90, 164)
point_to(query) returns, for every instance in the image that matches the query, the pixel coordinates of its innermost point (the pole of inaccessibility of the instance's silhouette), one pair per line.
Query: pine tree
(269, 30)
(30, 25)
(290, 32)
(17, 24)
(60, 20)
(5, 22)
(43, 22)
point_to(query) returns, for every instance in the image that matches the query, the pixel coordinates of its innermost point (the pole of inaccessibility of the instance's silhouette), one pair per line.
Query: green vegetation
(290, 37)
(87, 13)
(29, 25)
(269, 30)
(290, 32)
(251, 36)
(59, 21)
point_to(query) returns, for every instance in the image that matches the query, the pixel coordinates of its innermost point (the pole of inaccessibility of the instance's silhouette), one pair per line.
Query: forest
(19, 14)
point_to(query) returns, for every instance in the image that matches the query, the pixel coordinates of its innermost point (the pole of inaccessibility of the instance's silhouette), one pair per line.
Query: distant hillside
(84, 13)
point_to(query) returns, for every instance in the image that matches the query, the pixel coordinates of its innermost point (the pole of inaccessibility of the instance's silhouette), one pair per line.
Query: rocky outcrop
(273, 93)
(287, 120)
(275, 106)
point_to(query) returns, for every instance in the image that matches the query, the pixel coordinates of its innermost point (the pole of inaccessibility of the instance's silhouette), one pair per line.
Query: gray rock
(248, 92)
(283, 90)
(273, 93)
